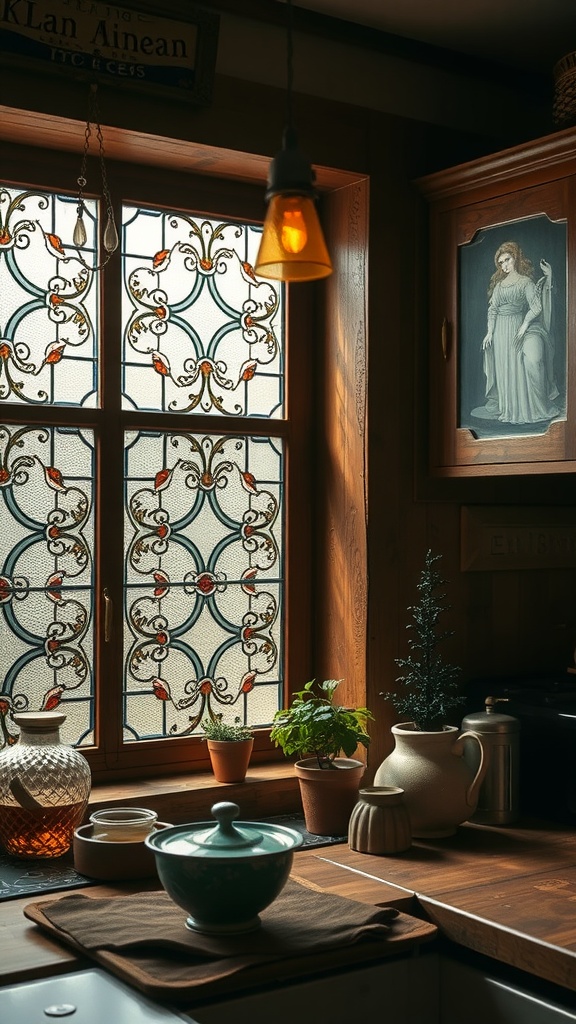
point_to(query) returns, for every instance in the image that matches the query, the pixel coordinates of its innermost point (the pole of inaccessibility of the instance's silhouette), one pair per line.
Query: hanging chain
(110, 237)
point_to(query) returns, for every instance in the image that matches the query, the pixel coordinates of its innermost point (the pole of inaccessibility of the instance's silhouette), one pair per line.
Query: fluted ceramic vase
(379, 822)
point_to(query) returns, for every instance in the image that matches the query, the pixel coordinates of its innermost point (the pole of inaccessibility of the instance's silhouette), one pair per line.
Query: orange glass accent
(292, 246)
(293, 231)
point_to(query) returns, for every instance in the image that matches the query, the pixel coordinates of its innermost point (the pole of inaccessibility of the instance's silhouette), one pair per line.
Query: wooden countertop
(28, 953)
(509, 893)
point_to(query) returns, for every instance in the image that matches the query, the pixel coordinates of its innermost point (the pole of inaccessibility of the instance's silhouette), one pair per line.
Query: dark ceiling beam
(272, 12)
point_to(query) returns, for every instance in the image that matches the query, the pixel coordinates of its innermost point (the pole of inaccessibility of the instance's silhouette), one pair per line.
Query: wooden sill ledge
(268, 789)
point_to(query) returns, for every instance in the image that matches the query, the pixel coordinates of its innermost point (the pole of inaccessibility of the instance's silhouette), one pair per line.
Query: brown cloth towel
(143, 939)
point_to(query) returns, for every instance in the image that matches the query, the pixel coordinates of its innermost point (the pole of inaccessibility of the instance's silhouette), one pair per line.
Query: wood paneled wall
(505, 623)
(341, 600)
(378, 511)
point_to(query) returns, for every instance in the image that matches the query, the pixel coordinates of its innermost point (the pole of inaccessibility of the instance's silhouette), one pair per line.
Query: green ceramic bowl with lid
(223, 875)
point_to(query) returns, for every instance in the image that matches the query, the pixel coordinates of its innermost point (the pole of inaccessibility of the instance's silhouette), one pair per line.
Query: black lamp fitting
(290, 172)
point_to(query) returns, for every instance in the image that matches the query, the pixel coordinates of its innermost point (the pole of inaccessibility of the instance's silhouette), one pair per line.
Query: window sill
(268, 789)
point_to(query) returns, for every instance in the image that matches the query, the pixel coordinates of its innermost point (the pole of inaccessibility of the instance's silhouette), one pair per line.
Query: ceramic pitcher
(440, 789)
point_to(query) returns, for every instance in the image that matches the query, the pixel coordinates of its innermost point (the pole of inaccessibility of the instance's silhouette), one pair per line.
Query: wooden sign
(129, 45)
(517, 537)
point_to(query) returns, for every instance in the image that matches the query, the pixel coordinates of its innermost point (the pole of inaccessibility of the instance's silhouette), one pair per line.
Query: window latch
(108, 614)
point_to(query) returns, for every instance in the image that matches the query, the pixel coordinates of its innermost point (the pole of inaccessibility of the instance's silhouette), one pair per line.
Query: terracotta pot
(230, 759)
(440, 789)
(329, 796)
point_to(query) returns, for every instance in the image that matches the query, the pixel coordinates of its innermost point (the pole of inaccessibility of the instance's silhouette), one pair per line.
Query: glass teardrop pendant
(110, 239)
(79, 235)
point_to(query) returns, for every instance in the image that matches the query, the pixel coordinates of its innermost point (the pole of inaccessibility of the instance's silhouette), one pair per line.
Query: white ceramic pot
(440, 789)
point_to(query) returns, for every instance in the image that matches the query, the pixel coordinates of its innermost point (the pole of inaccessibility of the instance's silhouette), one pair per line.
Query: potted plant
(318, 730)
(440, 789)
(431, 687)
(230, 748)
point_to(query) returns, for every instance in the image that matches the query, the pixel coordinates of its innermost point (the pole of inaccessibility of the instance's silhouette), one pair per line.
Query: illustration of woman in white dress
(518, 349)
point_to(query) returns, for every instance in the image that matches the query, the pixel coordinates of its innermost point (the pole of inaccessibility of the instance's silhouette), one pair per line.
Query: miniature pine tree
(431, 683)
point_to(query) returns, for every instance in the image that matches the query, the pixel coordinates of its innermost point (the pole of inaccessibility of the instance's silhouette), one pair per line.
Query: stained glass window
(202, 566)
(201, 333)
(49, 300)
(46, 573)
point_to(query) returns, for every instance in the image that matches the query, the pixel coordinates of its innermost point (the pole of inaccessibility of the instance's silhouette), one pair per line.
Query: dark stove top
(548, 695)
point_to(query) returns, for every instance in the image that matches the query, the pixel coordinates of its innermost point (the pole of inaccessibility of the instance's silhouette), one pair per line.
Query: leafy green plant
(314, 725)
(216, 729)
(431, 683)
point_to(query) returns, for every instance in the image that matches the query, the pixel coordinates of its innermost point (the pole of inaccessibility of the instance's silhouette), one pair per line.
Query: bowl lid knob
(226, 834)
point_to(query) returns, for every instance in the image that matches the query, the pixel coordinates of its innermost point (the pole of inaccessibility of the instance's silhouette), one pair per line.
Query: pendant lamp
(292, 246)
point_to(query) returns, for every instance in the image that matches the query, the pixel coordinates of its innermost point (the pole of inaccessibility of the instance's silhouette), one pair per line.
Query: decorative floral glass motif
(197, 334)
(200, 330)
(49, 300)
(203, 580)
(46, 568)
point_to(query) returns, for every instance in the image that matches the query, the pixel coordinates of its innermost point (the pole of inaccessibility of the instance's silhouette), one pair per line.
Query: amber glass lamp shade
(292, 246)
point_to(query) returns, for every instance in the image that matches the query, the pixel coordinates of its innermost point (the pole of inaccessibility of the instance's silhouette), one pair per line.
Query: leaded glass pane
(49, 300)
(46, 575)
(201, 333)
(204, 586)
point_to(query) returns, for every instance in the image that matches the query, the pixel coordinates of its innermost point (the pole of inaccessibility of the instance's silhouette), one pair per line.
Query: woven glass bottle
(44, 788)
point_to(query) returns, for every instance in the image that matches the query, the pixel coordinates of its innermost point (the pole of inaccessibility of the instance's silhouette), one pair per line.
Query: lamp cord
(289, 64)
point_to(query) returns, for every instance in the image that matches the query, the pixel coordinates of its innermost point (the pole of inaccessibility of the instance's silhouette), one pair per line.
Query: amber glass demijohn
(44, 788)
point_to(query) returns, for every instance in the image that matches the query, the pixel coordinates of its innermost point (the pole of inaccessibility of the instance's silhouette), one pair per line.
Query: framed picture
(512, 328)
(502, 370)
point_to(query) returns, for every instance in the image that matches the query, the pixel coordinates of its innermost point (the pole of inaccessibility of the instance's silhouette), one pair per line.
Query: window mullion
(109, 545)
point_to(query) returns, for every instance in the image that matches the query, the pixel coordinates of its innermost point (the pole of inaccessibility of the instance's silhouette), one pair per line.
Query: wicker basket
(564, 109)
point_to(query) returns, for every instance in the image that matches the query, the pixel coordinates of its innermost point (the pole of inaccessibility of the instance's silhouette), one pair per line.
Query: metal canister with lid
(498, 801)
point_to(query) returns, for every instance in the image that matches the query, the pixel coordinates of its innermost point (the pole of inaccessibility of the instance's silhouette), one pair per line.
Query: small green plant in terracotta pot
(315, 725)
(230, 748)
(216, 729)
(318, 730)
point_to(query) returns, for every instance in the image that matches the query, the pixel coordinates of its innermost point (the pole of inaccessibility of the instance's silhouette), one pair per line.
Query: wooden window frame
(315, 319)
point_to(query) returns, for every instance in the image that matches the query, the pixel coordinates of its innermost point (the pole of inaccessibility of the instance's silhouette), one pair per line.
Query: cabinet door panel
(502, 304)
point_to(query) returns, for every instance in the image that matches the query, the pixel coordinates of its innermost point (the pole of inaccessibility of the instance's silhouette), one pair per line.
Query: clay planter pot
(230, 759)
(328, 797)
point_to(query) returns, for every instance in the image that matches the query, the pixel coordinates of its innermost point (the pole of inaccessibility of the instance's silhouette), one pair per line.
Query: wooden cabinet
(502, 301)
(477, 991)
